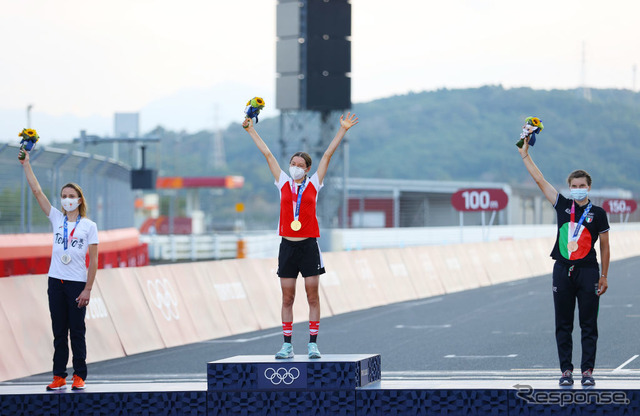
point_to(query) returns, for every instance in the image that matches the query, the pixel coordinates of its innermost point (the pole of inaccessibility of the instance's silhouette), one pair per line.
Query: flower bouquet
(532, 126)
(28, 142)
(253, 108)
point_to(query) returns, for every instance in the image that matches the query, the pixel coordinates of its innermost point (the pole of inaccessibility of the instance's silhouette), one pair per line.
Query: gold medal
(296, 225)
(572, 246)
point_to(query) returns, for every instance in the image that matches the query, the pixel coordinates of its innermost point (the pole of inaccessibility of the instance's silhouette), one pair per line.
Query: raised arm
(42, 199)
(274, 167)
(345, 125)
(547, 189)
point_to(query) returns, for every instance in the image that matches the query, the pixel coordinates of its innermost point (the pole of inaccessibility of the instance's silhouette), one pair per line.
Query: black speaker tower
(313, 86)
(313, 55)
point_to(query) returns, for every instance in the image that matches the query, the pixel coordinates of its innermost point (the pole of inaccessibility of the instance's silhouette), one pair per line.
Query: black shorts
(302, 257)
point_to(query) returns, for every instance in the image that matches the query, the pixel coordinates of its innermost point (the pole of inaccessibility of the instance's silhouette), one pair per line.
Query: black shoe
(587, 378)
(567, 378)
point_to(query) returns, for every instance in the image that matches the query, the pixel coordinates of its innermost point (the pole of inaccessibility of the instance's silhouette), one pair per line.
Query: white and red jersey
(288, 199)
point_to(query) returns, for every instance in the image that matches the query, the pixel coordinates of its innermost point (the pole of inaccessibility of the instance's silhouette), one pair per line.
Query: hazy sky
(95, 58)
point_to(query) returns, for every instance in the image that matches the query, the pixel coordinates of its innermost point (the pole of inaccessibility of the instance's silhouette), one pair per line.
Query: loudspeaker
(313, 55)
(143, 179)
(326, 92)
(328, 17)
(330, 55)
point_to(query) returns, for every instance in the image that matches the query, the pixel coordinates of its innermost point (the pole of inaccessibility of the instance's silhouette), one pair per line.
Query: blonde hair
(83, 208)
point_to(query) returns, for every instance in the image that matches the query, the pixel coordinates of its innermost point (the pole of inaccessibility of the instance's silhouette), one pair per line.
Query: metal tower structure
(311, 132)
(313, 87)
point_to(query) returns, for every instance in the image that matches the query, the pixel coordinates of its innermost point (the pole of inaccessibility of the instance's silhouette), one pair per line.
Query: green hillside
(470, 134)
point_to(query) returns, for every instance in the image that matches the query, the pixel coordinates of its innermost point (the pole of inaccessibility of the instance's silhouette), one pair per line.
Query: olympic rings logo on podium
(282, 375)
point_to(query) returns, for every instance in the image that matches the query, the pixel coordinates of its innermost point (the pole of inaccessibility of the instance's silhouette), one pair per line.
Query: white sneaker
(312, 347)
(286, 351)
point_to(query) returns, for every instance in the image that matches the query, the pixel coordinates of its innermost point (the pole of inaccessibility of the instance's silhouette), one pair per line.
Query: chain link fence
(105, 182)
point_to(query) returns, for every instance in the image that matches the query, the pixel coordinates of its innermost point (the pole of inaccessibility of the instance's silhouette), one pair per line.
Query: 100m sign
(479, 200)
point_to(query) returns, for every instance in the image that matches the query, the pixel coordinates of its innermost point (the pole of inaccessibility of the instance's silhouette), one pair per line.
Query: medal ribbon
(296, 205)
(574, 237)
(65, 240)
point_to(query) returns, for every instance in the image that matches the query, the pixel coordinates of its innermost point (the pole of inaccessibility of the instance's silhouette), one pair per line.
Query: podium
(332, 385)
(248, 384)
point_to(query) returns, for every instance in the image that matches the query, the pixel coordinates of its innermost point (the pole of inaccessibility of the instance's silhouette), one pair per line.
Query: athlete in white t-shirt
(298, 226)
(70, 283)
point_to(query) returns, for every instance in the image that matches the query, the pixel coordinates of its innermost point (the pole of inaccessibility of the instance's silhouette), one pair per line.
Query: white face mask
(579, 194)
(70, 204)
(296, 172)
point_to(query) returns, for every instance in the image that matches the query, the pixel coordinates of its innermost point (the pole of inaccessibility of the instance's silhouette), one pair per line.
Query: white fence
(107, 185)
(265, 244)
(360, 239)
(206, 247)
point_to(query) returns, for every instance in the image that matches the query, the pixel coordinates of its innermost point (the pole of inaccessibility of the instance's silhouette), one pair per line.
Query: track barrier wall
(22, 254)
(168, 308)
(129, 311)
(427, 280)
(260, 279)
(340, 284)
(102, 337)
(141, 309)
(224, 282)
(204, 311)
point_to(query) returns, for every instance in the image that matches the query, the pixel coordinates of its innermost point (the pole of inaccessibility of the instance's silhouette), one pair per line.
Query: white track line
(422, 326)
(619, 368)
(541, 373)
(241, 340)
(473, 357)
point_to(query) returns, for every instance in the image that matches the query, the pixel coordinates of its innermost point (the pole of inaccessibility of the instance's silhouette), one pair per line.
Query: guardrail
(210, 247)
(265, 244)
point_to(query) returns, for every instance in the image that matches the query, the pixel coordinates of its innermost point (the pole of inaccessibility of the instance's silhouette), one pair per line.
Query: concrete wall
(140, 309)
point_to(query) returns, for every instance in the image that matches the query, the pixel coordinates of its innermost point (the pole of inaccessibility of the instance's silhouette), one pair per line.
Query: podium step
(266, 373)
(332, 385)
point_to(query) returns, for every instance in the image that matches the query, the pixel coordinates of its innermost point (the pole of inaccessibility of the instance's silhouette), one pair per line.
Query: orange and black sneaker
(58, 383)
(78, 383)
